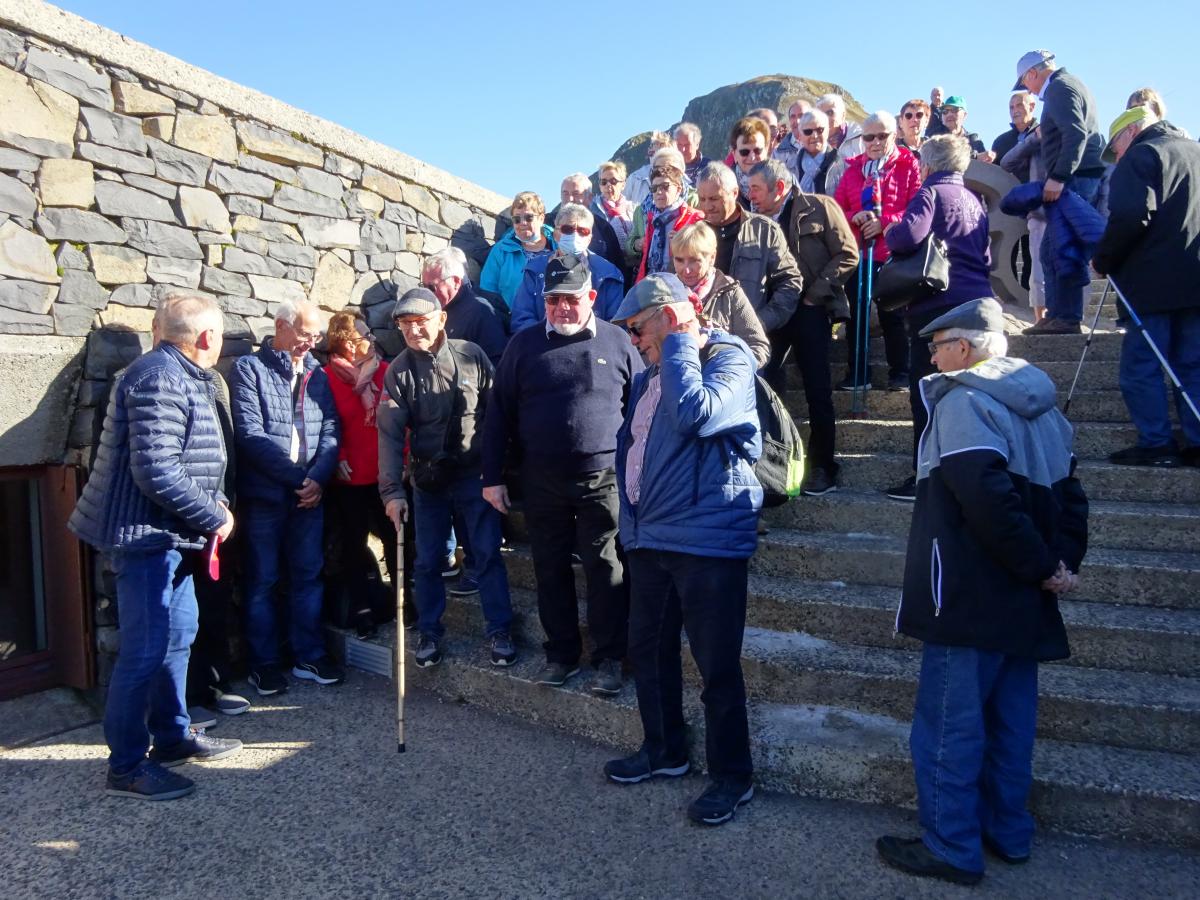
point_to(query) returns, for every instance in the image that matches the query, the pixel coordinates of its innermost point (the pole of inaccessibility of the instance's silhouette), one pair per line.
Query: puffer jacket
(823, 246)
(501, 275)
(529, 306)
(698, 493)
(264, 411)
(998, 506)
(898, 186)
(156, 484)
(728, 310)
(1073, 227)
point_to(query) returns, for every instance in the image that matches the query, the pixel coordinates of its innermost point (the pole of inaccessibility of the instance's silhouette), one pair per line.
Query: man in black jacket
(1150, 249)
(577, 188)
(468, 318)
(998, 531)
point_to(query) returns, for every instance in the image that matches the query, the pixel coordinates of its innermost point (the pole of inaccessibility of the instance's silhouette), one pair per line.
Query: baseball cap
(1120, 123)
(653, 290)
(418, 301)
(984, 314)
(1027, 62)
(956, 101)
(567, 273)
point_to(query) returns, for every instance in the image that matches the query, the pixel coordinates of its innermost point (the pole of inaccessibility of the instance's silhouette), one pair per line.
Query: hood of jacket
(1023, 388)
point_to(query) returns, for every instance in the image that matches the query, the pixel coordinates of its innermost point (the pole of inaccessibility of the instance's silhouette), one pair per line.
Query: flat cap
(418, 301)
(567, 273)
(1027, 62)
(984, 314)
(651, 291)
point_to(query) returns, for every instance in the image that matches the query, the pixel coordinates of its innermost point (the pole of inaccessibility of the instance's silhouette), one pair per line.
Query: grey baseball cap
(653, 290)
(984, 314)
(417, 301)
(1027, 62)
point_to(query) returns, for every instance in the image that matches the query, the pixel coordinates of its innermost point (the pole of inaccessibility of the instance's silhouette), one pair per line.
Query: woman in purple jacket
(945, 207)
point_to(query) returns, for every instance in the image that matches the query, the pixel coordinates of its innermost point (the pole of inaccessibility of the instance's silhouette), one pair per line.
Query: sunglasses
(636, 330)
(914, 115)
(872, 138)
(746, 151)
(565, 299)
(527, 219)
(581, 230)
(661, 187)
(610, 180)
(809, 132)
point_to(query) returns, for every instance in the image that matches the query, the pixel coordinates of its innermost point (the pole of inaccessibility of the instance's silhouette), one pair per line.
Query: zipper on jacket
(303, 454)
(935, 578)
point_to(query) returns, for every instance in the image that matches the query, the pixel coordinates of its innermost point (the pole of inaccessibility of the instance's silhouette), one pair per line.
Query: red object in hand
(214, 560)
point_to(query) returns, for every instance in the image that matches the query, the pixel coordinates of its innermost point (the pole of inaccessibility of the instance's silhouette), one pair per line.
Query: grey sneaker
(429, 653)
(202, 718)
(556, 674)
(148, 781)
(503, 651)
(607, 682)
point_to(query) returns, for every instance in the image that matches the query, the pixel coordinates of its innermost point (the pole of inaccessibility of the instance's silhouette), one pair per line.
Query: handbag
(908, 277)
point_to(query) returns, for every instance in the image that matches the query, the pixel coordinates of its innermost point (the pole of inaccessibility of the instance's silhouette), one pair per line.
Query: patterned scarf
(809, 167)
(659, 258)
(360, 376)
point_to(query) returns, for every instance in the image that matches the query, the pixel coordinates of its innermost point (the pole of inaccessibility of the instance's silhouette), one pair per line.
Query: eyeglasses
(407, 323)
(636, 330)
(610, 181)
(746, 151)
(919, 114)
(933, 345)
(661, 187)
(581, 230)
(809, 132)
(308, 337)
(879, 136)
(526, 219)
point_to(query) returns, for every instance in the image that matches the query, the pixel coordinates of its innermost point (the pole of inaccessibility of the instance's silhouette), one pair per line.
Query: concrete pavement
(320, 804)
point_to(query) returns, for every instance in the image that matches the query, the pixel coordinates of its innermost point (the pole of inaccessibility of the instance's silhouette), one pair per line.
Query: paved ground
(321, 805)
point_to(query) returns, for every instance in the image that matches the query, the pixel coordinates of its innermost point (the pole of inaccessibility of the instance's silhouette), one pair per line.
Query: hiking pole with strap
(1086, 345)
(860, 325)
(400, 632)
(1162, 360)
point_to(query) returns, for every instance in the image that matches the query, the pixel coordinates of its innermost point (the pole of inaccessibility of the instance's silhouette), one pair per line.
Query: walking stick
(1086, 345)
(1162, 360)
(862, 332)
(400, 633)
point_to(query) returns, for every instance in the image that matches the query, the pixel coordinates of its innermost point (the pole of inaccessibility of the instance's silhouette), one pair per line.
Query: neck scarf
(809, 167)
(361, 376)
(658, 259)
(704, 286)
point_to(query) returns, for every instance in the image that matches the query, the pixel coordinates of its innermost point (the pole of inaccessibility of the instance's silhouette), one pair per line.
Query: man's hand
(1063, 581)
(226, 529)
(343, 471)
(1052, 191)
(397, 511)
(497, 495)
(309, 494)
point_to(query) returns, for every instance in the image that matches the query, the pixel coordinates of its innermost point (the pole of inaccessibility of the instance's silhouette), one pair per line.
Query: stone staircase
(831, 687)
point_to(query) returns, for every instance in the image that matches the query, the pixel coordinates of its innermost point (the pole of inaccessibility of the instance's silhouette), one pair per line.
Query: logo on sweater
(601, 360)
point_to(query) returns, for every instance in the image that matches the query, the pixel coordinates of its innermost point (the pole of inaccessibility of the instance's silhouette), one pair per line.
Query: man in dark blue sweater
(558, 401)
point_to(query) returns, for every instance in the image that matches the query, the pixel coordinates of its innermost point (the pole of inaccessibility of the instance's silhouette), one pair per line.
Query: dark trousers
(353, 512)
(920, 364)
(707, 597)
(563, 512)
(209, 666)
(808, 335)
(892, 324)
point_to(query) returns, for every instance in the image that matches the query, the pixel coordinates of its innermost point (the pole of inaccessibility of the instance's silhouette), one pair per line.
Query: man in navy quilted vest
(286, 426)
(155, 493)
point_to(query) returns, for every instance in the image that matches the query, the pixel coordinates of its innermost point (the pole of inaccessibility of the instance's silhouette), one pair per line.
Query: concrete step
(837, 753)
(1096, 375)
(1117, 525)
(1102, 481)
(1089, 406)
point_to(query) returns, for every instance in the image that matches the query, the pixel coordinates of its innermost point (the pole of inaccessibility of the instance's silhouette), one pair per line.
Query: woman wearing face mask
(573, 236)
(528, 239)
(724, 303)
(873, 193)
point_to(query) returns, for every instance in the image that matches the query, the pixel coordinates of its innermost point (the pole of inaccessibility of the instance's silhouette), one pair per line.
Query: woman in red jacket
(355, 374)
(874, 192)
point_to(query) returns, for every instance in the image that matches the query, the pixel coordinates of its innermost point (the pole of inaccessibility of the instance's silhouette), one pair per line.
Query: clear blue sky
(515, 95)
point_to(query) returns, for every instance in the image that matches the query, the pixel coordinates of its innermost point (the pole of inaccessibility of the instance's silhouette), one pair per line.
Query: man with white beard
(557, 404)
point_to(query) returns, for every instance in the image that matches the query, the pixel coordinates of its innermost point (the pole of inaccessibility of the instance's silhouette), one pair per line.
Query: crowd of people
(600, 374)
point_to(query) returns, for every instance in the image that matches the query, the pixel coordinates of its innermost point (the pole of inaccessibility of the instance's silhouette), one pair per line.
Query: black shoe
(636, 768)
(1053, 326)
(197, 748)
(897, 383)
(818, 483)
(148, 781)
(718, 802)
(268, 680)
(202, 718)
(464, 587)
(504, 653)
(912, 856)
(556, 674)
(993, 848)
(905, 490)
(607, 682)
(1159, 457)
(847, 384)
(428, 653)
(323, 671)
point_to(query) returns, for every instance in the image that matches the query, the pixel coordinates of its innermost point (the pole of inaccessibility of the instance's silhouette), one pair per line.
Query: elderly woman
(873, 193)
(529, 238)
(615, 206)
(816, 157)
(914, 119)
(725, 304)
(637, 187)
(945, 208)
(355, 374)
(668, 213)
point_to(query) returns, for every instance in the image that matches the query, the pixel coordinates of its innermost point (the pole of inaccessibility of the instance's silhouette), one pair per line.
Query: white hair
(834, 100)
(815, 117)
(291, 311)
(720, 173)
(946, 153)
(574, 212)
(881, 117)
(989, 343)
(450, 262)
(668, 156)
(578, 176)
(182, 317)
(687, 128)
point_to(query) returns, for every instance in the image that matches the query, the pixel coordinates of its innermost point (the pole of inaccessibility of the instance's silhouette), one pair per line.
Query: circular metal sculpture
(991, 183)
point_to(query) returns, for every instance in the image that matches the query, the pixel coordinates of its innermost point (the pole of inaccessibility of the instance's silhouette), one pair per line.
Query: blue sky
(515, 95)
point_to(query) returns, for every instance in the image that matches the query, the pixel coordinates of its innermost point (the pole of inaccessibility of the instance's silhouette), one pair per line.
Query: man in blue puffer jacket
(286, 425)
(689, 514)
(155, 493)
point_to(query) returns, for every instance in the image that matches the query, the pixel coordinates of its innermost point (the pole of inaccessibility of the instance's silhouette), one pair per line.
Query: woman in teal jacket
(529, 238)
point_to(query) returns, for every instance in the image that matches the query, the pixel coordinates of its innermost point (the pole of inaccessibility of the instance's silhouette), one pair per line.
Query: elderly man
(788, 148)
(577, 189)
(954, 115)
(1151, 248)
(751, 248)
(687, 140)
(1023, 122)
(843, 137)
(823, 246)
(286, 424)
(815, 159)
(557, 404)
(1071, 148)
(154, 494)
(573, 235)
(438, 390)
(637, 185)
(468, 318)
(689, 503)
(998, 531)
(935, 126)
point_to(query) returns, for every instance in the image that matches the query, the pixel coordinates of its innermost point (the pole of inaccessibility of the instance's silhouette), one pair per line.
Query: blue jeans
(156, 608)
(276, 535)
(1064, 297)
(972, 749)
(1177, 335)
(434, 514)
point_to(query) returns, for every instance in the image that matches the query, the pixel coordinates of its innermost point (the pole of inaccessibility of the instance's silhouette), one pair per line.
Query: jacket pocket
(935, 577)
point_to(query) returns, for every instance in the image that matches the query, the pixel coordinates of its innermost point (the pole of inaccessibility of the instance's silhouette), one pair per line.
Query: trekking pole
(400, 633)
(1086, 344)
(1153, 346)
(862, 335)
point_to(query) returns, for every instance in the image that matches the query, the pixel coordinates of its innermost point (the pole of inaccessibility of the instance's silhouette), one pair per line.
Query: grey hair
(989, 343)
(451, 262)
(720, 173)
(815, 117)
(659, 137)
(946, 153)
(182, 317)
(577, 176)
(668, 156)
(884, 118)
(772, 171)
(574, 212)
(834, 100)
(687, 128)
(805, 106)
(291, 310)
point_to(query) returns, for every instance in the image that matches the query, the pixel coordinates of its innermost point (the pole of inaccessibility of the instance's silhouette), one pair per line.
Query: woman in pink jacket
(874, 192)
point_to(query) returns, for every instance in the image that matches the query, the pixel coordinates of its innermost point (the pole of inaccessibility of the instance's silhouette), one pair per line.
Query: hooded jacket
(529, 305)
(501, 275)
(1073, 227)
(997, 507)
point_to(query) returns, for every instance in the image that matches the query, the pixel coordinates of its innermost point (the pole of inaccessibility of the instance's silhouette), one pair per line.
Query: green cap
(956, 101)
(1120, 123)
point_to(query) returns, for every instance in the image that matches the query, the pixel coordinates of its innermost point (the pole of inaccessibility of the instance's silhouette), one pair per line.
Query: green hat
(956, 101)
(1120, 123)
